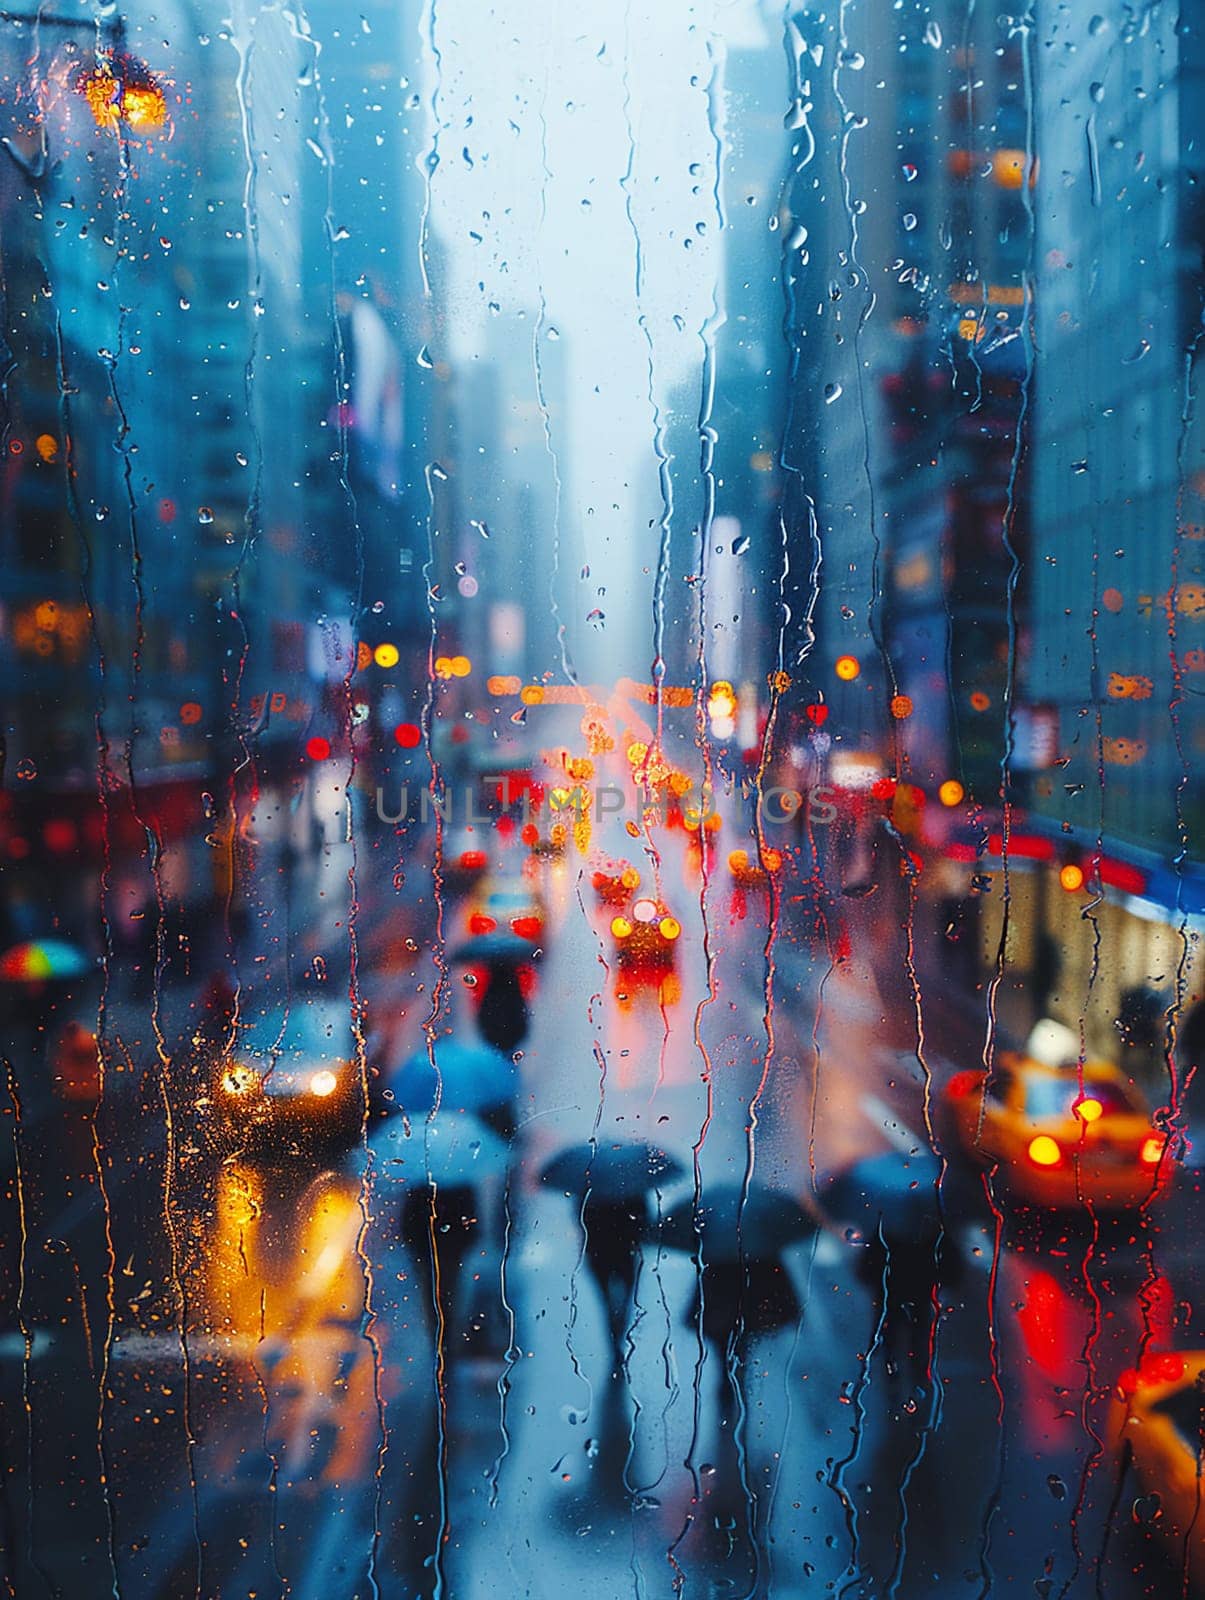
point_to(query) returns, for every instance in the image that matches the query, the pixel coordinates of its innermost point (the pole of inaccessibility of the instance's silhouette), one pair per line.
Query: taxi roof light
(621, 927)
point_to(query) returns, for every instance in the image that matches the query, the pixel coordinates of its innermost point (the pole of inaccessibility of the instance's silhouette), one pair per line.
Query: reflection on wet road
(362, 1383)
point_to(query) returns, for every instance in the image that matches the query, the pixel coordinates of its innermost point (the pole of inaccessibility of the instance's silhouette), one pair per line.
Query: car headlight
(323, 1083)
(1152, 1150)
(239, 1080)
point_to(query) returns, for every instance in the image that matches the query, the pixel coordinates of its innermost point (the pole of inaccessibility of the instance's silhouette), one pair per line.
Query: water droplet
(596, 617)
(909, 171)
(424, 359)
(740, 545)
(554, 333)
(933, 33)
(240, 458)
(853, 59)
(1056, 1486)
(909, 221)
(1144, 346)
(1147, 1508)
(439, 473)
(185, 305)
(1097, 92)
(832, 391)
(1079, 466)
(27, 770)
(204, 515)
(1097, 26)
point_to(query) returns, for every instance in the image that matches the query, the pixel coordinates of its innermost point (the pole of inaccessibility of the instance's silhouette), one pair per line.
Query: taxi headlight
(1044, 1151)
(239, 1080)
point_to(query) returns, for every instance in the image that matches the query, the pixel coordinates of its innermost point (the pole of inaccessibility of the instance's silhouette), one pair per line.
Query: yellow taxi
(751, 872)
(646, 936)
(1157, 1423)
(1059, 1138)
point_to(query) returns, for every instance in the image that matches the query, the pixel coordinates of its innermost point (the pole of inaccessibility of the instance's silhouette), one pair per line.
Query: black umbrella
(756, 1226)
(893, 1192)
(505, 949)
(617, 1170)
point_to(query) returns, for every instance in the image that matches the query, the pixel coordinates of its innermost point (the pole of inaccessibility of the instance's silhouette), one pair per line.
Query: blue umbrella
(474, 1077)
(894, 1192)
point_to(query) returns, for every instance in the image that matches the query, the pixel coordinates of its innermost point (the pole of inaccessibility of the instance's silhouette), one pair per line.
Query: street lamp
(119, 89)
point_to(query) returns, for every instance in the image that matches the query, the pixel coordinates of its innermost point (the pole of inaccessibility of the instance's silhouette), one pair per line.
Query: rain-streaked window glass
(602, 632)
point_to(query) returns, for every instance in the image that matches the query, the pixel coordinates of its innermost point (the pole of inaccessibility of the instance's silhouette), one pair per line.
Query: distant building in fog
(1115, 667)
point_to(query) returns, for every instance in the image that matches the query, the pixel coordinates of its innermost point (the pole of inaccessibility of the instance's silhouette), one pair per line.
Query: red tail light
(473, 860)
(1166, 1368)
(526, 927)
(963, 1083)
(480, 923)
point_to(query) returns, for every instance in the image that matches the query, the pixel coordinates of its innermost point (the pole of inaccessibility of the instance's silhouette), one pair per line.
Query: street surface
(259, 1398)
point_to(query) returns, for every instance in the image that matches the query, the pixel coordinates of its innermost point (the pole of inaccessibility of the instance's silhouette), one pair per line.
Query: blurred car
(545, 837)
(646, 935)
(465, 857)
(291, 1086)
(1158, 1420)
(506, 905)
(750, 872)
(75, 1065)
(614, 882)
(1057, 1144)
